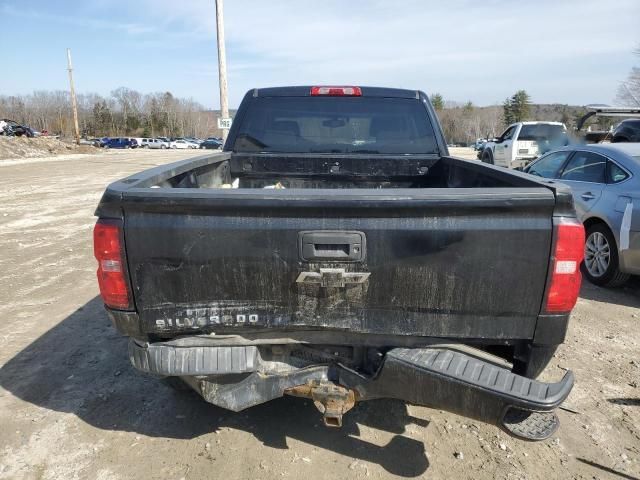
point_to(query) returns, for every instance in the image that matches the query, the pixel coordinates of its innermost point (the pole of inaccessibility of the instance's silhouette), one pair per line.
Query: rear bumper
(438, 377)
(545, 330)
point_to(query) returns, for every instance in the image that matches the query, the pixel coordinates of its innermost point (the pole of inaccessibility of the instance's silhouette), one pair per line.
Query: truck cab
(523, 142)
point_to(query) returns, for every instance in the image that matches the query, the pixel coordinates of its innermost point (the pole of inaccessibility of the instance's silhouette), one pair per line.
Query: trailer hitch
(330, 399)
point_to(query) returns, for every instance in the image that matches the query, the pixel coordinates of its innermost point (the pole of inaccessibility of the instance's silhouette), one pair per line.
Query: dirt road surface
(71, 406)
(463, 152)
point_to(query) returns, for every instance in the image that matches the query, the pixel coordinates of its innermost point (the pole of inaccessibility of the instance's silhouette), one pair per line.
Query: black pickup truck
(335, 251)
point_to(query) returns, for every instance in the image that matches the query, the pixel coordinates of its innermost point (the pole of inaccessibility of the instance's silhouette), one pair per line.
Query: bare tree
(629, 90)
(124, 112)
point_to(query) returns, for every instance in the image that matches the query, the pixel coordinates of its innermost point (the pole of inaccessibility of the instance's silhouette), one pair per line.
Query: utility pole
(74, 102)
(222, 67)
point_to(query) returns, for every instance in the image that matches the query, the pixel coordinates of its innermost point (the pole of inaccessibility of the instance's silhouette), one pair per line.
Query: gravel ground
(72, 407)
(463, 152)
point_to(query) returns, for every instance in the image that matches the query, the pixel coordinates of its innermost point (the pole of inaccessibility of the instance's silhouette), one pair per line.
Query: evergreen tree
(437, 101)
(517, 108)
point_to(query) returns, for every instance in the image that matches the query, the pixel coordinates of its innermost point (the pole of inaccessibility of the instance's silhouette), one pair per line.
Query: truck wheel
(601, 265)
(487, 157)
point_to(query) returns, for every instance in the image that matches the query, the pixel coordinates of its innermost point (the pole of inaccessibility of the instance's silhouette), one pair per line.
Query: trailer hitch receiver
(330, 399)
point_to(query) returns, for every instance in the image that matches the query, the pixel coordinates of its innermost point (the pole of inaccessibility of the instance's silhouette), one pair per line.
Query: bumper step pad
(479, 374)
(177, 361)
(469, 386)
(530, 425)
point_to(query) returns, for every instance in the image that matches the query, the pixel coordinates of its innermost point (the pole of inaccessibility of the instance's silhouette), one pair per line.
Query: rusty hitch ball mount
(330, 399)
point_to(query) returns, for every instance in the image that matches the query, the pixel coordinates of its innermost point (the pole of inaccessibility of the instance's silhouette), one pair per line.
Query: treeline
(464, 123)
(629, 90)
(125, 112)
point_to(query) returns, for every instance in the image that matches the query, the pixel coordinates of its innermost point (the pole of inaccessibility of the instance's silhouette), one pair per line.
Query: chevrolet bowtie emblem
(332, 277)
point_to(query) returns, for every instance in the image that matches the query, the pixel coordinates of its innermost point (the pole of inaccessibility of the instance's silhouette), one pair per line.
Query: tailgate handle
(331, 246)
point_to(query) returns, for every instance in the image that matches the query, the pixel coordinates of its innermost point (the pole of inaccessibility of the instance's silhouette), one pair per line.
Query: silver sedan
(605, 181)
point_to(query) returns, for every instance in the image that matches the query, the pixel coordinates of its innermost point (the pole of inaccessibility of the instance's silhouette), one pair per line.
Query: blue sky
(569, 51)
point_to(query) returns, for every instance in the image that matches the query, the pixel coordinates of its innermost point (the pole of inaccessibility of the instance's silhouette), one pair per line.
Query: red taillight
(337, 91)
(112, 279)
(564, 286)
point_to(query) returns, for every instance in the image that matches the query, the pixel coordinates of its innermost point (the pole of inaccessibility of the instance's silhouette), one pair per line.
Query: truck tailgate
(466, 263)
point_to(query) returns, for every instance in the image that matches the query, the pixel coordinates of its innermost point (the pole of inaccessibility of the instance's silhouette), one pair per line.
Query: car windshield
(542, 131)
(336, 125)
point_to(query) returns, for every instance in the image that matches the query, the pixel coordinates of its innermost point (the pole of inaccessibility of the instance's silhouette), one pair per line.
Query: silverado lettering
(203, 318)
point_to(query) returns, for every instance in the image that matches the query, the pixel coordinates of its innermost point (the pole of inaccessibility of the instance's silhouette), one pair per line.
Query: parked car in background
(144, 142)
(121, 143)
(592, 133)
(100, 142)
(523, 142)
(211, 144)
(479, 144)
(156, 143)
(605, 182)
(182, 143)
(626, 131)
(12, 128)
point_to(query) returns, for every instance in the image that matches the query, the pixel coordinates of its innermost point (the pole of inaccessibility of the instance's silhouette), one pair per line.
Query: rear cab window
(368, 125)
(542, 131)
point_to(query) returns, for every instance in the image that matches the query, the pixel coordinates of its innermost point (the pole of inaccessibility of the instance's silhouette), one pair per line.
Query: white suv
(183, 144)
(157, 143)
(523, 142)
